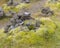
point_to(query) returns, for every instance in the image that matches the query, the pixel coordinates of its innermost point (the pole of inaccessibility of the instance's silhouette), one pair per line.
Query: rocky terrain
(34, 8)
(30, 24)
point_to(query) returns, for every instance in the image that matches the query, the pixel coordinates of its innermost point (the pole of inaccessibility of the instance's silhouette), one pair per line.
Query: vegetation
(46, 36)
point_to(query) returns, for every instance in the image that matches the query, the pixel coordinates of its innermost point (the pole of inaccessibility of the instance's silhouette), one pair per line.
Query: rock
(6, 29)
(10, 2)
(26, 1)
(1, 12)
(47, 11)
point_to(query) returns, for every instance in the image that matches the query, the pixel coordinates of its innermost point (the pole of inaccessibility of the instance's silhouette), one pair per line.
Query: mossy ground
(47, 36)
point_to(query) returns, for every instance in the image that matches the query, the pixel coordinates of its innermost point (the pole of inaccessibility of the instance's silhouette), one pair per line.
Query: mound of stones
(23, 20)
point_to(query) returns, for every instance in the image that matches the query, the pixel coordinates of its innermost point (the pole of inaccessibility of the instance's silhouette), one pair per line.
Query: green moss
(20, 39)
(46, 36)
